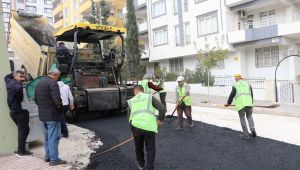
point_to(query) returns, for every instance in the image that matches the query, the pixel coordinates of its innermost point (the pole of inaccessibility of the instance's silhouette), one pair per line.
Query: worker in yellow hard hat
(243, 94)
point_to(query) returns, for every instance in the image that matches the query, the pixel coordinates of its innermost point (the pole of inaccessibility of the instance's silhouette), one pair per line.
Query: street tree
(209, 58)
(133, 52)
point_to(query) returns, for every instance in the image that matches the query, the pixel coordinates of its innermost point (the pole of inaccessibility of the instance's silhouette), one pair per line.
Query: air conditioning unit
(241, 14)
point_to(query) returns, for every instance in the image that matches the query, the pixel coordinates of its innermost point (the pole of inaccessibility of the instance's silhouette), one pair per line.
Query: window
(47, 2)
(249, 22)
(267, 56)
(158, 8)
(120, 13)
(5, 5)
(207, 23)
(31, 1)
(31, 8)
(6, 24)
(75, 19)
(220, 64)
(176, 65)
(50, 19)
(187, 35)
(47, 10)
(186, 5)
(198, 1)
(75, 5)
(66, 12)
(175, 8)
(267, 18)
(160, 36)
(21, 1)
(5, 15)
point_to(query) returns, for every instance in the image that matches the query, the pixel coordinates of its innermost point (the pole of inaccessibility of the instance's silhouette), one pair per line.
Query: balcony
(145, 54)
(85, 7)
(285, 26)
(143, 27)
(58, 24)
(58, 9)
(232, 3)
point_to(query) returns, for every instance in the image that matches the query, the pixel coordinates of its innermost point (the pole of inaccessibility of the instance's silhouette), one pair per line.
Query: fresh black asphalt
(202, 147)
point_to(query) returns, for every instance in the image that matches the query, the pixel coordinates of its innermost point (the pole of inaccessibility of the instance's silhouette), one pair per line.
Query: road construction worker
(162, 93)
(63, 55)
(148, 85)
(144, 125)
(242, 92)
(183, 102)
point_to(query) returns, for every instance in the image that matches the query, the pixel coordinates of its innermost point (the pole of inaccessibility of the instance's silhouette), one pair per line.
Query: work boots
(253, 133)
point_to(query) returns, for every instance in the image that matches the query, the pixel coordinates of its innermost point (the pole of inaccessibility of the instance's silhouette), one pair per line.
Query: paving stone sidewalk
(12, 162)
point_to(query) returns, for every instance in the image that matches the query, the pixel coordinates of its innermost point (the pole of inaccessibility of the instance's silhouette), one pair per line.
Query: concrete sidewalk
(13, 162)
(285, 109)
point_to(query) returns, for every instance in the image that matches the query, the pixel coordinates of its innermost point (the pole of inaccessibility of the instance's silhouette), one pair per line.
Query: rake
(262, 106)
(170, 116)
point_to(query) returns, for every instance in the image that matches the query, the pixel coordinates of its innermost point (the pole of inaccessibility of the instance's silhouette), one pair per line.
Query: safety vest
(162, 86)
(142, 113)
(144, 83)
(181, 91)
(243, 96)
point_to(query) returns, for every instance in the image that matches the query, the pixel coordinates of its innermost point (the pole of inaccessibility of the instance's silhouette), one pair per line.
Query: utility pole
(8, 130)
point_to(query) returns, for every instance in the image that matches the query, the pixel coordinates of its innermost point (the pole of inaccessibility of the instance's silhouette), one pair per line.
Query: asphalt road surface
(202, 147)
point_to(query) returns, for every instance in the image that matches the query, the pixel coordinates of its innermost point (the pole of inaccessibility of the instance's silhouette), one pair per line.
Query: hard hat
(180, 78)
(237, 76)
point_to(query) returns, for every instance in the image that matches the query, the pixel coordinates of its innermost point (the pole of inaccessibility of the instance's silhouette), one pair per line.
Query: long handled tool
(170, 116)
(112, 148)
(269, 106)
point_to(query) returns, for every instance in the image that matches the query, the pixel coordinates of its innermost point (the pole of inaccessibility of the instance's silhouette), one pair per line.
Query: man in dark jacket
(63, 55)
(20, 116)
(47, 97)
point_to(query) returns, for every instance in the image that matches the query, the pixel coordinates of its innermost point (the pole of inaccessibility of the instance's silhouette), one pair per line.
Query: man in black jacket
(19, 115)
(47, 97)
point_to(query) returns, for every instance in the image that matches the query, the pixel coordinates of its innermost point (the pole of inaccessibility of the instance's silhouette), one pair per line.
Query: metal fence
(256, 82)
(286, 92)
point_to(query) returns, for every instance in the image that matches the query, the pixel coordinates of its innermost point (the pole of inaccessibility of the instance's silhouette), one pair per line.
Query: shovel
(170, 116)
(269, 106)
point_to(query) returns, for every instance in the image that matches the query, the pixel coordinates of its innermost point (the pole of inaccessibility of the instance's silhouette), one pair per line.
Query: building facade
(68, 12)
(258, 34)
(42, 7)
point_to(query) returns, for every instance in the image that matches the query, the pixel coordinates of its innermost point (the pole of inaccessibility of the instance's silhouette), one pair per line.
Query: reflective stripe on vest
(243, 96)
(181, 93)
(142, 114)
(144, 83)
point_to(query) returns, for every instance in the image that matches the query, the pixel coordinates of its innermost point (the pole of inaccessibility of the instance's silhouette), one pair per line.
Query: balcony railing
(255, 23)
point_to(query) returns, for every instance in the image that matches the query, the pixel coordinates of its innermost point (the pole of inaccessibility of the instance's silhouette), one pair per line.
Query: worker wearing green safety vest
(242, 92)
(183, 102)
(163, 93)
(148, 85)
(144, 124)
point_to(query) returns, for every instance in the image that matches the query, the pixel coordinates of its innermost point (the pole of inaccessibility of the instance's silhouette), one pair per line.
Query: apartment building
(258, 34)
(68, 12)
(41, 7)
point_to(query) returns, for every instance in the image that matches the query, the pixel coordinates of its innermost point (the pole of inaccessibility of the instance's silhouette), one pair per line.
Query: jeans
(21, 119)
(188, 113)
(248, 112)
(140, 137)
(64, 128)
(52, 133)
